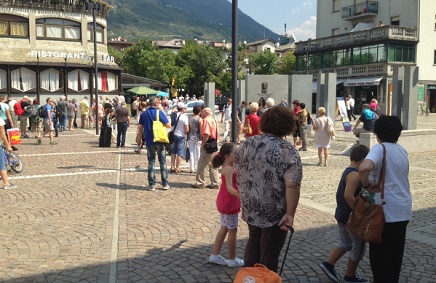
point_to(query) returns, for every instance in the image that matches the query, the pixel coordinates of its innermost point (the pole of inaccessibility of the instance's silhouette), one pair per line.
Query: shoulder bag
(247, 127)
(159, 131)
(171, 133)
(367, 219)
(211, 145)
(330, 128)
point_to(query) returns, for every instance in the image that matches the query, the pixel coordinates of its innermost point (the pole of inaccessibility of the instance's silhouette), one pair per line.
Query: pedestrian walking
(348, 189)
(6, 146)
(322, 137)
(228, 206)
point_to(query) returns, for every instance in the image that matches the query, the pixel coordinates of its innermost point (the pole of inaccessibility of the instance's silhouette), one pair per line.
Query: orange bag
(258, 274)
(14, 136)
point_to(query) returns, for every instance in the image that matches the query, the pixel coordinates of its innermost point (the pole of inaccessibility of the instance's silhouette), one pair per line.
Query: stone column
(209, 96)
(410, 98)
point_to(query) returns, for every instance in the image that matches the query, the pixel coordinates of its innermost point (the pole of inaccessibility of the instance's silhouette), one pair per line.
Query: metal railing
(353, 38)
(72, 6)
(365, 8)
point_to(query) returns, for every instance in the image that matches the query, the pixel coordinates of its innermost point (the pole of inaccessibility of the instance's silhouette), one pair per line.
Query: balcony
(367, 37)
(358, 12)
(66, 6)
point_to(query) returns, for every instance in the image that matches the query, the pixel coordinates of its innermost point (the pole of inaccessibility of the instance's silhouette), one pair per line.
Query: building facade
(47, 50)
(362, 41)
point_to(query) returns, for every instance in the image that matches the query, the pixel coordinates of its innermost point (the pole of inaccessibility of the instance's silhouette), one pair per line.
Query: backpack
(18, 109)
(41, 111)
(309, 119)
(33, 112)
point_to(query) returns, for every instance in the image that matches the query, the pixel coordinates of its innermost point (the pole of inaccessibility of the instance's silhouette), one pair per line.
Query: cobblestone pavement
(80, 214)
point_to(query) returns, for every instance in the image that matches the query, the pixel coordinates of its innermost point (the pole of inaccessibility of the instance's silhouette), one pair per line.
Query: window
(395, 21)
(13, 26)
(51, 80)
(434, 58)
(3, 82)
(336, 5)
(57, 29)
(23, 79)
(107, 81)
(401, 53)
(78, 80)
(99, 33)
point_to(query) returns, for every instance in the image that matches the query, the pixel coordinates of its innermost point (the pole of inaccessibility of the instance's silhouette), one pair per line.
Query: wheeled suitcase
(260, 273)
(105, 137)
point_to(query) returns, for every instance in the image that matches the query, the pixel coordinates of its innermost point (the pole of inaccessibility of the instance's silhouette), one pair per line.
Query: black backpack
(41, 111)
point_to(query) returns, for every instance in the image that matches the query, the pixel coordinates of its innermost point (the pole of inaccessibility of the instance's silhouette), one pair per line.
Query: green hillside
(167, 19)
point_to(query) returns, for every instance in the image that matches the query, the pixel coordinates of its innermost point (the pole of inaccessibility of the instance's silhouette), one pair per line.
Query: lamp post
(95, 7)
(234, 68)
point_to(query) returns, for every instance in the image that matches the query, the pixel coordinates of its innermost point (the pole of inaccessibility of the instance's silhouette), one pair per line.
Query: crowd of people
(261, 177)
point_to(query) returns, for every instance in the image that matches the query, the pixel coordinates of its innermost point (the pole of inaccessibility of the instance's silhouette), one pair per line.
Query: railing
(365, 8)
(349, 39)
(72, 6)
(375, 69)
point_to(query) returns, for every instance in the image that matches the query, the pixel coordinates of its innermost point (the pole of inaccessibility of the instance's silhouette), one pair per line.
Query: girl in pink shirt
(228, 205)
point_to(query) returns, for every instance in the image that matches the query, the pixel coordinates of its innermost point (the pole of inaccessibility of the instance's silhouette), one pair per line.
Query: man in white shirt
(227, 116)
(180, 129)
(351, 102)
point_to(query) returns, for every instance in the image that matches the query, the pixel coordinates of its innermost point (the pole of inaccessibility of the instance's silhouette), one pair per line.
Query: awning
(315, 85)
(363, 81)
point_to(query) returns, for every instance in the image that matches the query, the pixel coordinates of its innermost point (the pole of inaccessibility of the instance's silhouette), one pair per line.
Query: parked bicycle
(12, 161)
(423, 109)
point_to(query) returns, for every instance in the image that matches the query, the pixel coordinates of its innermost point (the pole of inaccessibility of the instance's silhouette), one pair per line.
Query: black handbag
(171, 133)
(211, 145)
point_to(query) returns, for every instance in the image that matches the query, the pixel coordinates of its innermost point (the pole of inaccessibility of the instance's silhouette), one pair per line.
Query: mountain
(168, 19)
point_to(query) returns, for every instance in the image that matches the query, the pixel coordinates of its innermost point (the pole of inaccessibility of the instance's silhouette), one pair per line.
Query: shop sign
(421, 92)
(69, 55)
(431, 86)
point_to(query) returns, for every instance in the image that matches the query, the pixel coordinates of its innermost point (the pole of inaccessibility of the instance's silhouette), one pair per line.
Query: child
(228, 205)
(348, 189)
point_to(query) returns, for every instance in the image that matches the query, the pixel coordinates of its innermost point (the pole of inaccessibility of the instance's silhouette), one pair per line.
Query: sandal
(178, 171)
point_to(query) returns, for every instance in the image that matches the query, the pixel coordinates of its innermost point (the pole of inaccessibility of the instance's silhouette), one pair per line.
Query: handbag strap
(381, 177)
(177, 120)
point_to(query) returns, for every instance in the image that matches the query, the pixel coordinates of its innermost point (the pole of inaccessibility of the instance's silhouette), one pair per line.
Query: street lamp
(95, 7)
(307, 49)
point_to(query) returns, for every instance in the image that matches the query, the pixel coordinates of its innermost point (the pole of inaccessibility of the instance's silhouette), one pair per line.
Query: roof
(262, 41)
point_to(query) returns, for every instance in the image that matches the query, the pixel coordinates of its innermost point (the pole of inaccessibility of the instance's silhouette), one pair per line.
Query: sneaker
(53, 143)
(329, 270)
(11, 186)
(38, 141)
(218, 259)
(302, 149)
(355, 278)
(150, 188)
(237, 262)
(137, 150)
(215, 187)
(166, 188)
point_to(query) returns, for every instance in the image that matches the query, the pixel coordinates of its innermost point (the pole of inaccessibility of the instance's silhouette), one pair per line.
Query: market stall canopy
(143, 90)
(163, 94)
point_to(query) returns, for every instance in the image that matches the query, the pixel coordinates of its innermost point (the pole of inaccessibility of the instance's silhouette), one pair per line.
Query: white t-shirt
(11, 105)
(180, 129)
(227, 112)
(398, 198)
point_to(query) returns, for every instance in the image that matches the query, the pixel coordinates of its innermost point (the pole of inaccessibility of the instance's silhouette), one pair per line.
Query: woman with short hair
(269, 174)
(322, 137)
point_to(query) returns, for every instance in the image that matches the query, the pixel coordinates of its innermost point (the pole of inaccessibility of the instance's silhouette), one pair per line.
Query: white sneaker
(217, 259)
(237, 262)
(165, 188)
(150, 188)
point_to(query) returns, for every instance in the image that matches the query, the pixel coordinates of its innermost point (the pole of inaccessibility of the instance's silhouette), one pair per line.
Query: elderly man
(208, 128)
(146, 125)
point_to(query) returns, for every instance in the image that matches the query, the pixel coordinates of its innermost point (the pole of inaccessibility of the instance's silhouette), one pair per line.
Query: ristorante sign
(69, 55)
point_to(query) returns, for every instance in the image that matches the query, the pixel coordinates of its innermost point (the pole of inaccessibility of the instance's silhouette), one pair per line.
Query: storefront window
(78, 80)
(14, 26)
(51, 80)
(3, 82)
(58, 29)
(23, 79)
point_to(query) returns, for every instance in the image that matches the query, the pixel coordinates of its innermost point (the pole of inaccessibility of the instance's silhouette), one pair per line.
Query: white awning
(363, 81)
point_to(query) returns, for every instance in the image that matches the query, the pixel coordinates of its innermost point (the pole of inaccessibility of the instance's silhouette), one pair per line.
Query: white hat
(181, 105)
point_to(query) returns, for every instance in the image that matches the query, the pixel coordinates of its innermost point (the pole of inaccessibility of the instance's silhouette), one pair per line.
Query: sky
(298, 15)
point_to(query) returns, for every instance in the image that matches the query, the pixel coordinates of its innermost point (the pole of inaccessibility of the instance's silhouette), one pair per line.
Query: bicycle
(424, 109)
(12, 161)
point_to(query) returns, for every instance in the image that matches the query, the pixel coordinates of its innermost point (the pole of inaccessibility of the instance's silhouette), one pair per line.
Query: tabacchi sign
(69, 55)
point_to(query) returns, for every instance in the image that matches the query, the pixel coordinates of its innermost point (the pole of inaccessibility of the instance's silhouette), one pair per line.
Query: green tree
(287, 64)
(206, 64)
(263, 63)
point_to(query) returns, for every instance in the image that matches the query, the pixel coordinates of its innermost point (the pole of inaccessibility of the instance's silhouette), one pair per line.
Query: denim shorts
(178, 146)
(2, 160)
